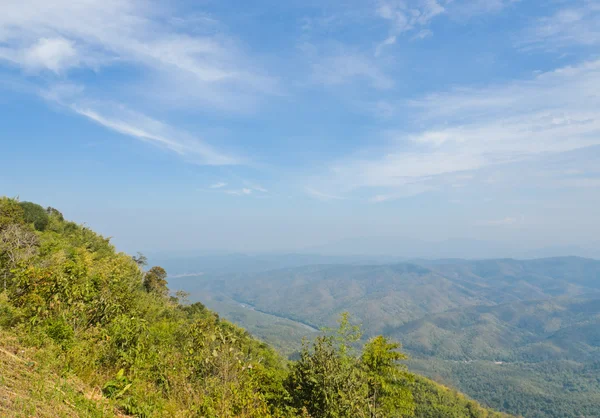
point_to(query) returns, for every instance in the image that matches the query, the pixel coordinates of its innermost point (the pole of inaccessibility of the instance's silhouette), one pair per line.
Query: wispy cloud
(199, 69)
(416, 16)
(63, 34)
(551, 113)
(575, 24)
(341, 65)
(254, 186)
(260, 189)
(218, 185)
(405, 17)
(54, 54)
(136, 125)
(240, 192)
(321, 195)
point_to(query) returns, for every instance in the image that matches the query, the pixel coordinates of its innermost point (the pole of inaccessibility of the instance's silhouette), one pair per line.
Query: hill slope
(86, 331)
(31, 387)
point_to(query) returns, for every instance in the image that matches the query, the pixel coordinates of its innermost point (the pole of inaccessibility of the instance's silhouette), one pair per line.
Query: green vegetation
(283, 334)
(29, 386)
(86, 331)
(36, 215)
(484, 327)
(538, 390)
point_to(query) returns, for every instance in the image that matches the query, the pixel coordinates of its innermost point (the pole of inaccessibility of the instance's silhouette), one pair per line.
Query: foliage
(388, 393)
(10, 212)
(434, 400)
(155, 281)
(36, 215)
(93, 313)
(330, 380)
(111, 324)
(539, 390)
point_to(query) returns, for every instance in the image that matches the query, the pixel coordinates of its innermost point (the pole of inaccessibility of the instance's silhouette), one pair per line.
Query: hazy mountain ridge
(479, 325)
(561, 328)
(390, 295)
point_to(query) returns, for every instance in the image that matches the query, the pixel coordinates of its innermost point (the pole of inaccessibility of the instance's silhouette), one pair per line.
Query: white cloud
(205, 68)
(172, 65)
(342, 66)
(577, 24)
(240, 192)
(390, 40)
(407, 16)
(417, 15)
(133, 31)
(127, 122)
(54, 54)
(471, 129)
(260, 189)
(321, 195)
(218, 185)
(422, 34)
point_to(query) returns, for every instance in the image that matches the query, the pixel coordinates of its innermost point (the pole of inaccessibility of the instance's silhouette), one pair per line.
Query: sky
(283, 125)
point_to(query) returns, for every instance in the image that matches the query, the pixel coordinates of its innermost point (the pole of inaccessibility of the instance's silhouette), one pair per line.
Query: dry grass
(30, 388)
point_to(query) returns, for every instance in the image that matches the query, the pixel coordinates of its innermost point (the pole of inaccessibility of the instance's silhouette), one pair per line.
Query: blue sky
(281, 125)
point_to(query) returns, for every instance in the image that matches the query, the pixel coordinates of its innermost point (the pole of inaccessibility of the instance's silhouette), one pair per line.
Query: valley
(522, 336)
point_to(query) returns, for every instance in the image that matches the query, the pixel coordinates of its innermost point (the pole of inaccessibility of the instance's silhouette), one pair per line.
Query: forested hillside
(484, 327)
(87, 331)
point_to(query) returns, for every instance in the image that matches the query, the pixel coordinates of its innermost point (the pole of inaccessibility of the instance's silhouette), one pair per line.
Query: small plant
(116, 387)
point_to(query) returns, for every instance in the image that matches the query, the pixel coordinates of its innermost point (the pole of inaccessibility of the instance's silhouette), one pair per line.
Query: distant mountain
(479, 325)
(564, 328)
(450, 248)
(229, 263)
(381, 296)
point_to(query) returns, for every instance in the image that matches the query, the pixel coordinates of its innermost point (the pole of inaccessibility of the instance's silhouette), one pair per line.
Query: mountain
(382, 296)
(479, 325)
(231, 263)
(564, 328)
(394, 246)
(88, 331)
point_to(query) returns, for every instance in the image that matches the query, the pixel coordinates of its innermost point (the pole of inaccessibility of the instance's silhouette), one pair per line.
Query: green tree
(155, 281)
(326, 384)
(389, 395)
(55, 213)
(140, 259)
(10, 212)
(36, 215)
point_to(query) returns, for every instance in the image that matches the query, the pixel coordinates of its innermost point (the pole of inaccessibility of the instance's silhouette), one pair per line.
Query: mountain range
(482, 326)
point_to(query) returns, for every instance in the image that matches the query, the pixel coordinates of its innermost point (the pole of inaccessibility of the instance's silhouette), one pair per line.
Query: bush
(36, 215)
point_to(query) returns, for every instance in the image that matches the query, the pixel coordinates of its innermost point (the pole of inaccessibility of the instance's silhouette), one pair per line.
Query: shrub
(36, 215)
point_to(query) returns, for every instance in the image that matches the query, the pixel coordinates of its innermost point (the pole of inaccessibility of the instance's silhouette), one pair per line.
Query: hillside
(564, 328)
(549, 350)
(455, 317)
(30, 386)
(87, 331)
